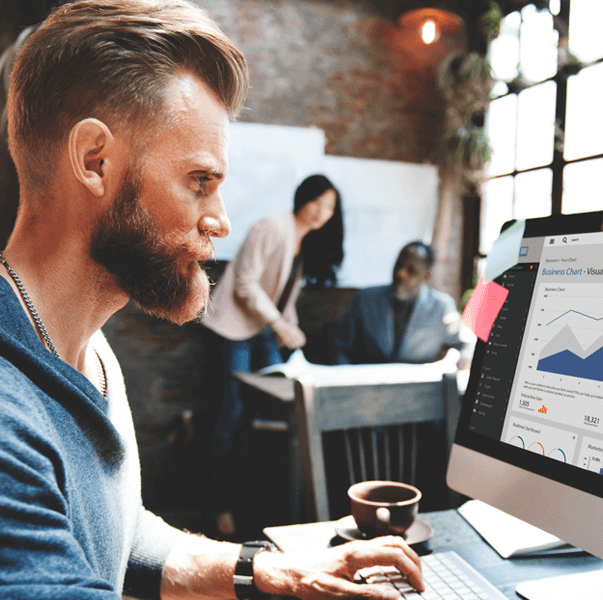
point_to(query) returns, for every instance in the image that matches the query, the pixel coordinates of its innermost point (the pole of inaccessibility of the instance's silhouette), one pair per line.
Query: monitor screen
(530, 434)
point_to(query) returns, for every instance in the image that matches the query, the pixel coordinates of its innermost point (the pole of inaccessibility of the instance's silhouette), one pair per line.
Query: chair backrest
(372, 420)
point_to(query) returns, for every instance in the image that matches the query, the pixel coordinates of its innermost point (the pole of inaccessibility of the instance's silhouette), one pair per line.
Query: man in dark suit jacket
(403, 322)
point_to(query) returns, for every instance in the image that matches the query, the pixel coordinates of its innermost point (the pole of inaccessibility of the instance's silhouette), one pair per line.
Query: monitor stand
(576, 586)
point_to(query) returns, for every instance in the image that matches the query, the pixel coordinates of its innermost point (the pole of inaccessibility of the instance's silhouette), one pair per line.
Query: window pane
(536, 126)
(500, 127)
(497, 208)
(533, 194)
(538, 55)
(584, 118)
(504, 49)
(585, 39)
(582, 184)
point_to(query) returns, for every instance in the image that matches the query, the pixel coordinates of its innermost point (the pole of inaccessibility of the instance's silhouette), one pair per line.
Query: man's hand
(199, 568)
(288, 335)
(329, 574)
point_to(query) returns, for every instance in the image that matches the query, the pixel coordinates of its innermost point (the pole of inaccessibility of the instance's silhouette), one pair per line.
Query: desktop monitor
(530, 434)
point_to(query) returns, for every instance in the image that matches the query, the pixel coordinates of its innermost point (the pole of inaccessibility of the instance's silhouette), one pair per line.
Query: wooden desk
(451, 532)
(275, 387)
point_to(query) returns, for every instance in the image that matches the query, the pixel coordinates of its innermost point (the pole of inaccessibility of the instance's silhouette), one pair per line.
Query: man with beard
(118, 120)
(403, 322)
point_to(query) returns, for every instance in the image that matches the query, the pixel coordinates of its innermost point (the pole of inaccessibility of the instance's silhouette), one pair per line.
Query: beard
(404, 293)
(163, 279)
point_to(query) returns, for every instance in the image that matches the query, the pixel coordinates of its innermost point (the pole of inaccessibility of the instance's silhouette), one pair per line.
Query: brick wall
(340, 66)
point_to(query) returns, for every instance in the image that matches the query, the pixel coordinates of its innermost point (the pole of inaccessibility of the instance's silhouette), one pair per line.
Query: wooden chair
(373, 420)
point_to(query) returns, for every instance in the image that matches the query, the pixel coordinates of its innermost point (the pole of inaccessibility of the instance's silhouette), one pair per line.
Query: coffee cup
(384, 507)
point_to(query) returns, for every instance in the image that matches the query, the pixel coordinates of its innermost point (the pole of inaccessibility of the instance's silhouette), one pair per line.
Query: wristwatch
(244, 584)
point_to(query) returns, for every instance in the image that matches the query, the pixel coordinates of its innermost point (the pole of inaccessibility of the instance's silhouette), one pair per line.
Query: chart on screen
(570, 330)
(557, 398)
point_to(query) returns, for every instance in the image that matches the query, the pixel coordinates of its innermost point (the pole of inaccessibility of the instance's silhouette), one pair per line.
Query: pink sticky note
(483, 307)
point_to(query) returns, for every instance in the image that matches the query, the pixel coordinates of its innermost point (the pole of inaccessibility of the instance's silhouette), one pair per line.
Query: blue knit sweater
(72, 523)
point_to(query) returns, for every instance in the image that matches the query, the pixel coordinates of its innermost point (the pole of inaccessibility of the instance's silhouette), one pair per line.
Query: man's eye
(202, 181)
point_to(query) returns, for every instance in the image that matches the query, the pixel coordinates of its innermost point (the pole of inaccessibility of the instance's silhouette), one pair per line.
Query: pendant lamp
(430, 23)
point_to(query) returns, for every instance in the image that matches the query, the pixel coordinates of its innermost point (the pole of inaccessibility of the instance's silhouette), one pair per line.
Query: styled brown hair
(112, 60)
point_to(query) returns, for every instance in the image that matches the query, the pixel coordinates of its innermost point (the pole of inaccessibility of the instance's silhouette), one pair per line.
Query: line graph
(567, 312)
(563, 354)
(564, 333)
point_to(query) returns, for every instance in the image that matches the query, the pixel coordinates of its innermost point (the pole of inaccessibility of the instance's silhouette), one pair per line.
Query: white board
(385, 203)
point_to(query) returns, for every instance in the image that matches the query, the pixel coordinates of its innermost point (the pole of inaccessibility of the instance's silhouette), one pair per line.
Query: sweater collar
(14, 320)
(18, 333)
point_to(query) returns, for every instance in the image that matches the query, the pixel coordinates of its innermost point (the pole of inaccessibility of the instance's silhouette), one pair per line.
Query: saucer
(417, 533)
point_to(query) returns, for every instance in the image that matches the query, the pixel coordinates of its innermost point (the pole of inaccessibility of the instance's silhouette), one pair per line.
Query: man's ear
(90, 143)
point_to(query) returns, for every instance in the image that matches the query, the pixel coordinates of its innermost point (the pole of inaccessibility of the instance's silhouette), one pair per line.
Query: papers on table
(341, 375)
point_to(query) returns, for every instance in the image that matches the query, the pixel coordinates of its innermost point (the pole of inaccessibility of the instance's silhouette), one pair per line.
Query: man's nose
(214, 218)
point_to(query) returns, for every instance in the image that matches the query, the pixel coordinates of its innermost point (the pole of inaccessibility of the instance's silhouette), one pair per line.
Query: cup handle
(383, 519)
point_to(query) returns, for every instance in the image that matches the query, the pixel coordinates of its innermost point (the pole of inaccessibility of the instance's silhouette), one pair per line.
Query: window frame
(559, 162)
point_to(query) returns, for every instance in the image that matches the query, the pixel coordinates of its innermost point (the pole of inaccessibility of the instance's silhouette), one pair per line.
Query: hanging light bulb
(429, 31)
(430, 23)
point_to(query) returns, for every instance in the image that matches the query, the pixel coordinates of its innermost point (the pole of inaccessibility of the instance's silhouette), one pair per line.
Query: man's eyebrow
(204, 163)
(210, 172)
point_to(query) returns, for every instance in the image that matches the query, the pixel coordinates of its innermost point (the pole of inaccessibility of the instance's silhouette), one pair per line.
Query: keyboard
(446, 576)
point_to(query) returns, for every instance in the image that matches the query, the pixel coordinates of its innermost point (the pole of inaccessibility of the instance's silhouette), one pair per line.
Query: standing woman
(252, 309)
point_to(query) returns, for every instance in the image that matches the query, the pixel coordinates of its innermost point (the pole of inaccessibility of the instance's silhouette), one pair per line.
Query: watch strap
(244, 583)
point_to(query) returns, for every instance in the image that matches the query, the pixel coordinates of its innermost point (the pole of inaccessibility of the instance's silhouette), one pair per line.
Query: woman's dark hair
(322, 250)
